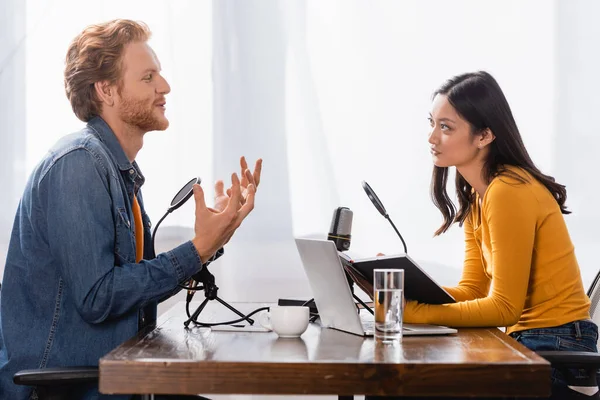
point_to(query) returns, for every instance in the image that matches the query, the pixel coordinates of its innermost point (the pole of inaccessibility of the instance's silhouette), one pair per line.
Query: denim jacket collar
(101, 129)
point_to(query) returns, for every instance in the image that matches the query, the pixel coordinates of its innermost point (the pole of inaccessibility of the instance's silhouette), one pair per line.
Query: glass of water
(388, 286)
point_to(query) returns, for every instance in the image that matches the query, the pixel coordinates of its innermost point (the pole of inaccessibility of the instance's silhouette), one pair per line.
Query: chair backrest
(594, 295)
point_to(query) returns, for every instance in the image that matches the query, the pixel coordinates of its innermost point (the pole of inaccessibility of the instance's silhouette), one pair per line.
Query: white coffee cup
(286, 321)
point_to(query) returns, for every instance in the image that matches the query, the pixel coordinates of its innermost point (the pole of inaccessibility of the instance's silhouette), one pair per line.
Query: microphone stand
(210, 292)
(362, 303)
(398, 233)
(204, 276)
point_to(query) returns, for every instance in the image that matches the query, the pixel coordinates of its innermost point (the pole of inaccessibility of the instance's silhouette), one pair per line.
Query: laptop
(337, 309)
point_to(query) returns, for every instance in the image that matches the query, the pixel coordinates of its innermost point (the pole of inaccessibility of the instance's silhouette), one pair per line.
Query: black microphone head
(180, 198)
(374, 199)
(184, 194)
(341, 228)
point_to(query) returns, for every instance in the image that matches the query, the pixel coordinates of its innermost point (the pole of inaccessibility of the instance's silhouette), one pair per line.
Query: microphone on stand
(180, 198)
(340, 234)
(341, 227)
(379, 206)
(184, 194)
(203, 276)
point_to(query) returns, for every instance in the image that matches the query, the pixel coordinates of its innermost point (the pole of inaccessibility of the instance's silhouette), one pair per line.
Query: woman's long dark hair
(478, 99)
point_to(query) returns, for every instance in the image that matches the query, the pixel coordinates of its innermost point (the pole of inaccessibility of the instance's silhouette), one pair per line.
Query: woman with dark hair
(520, 269)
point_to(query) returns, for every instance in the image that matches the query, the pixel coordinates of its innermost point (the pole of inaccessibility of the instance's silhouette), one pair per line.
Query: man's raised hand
(213, 228)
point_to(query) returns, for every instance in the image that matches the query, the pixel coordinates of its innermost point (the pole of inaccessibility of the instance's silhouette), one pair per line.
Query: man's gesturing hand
(248, 178)
(214, 229)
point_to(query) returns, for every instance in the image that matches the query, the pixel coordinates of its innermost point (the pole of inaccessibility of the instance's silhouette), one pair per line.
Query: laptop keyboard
(368, 326)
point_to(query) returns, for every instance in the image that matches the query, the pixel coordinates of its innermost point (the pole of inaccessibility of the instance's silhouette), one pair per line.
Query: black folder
(418, 285)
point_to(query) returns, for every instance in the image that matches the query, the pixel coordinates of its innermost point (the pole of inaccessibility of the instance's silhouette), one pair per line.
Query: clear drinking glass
(388, 286)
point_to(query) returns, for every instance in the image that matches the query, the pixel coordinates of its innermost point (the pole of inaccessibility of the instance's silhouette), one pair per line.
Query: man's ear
(106, 92)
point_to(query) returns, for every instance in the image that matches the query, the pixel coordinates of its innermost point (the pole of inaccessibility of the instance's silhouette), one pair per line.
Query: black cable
(205, 324)
(365, 306)
(307, 302)
(169, 211)
(313, 315)
(401, 238)
(192, 288)
(157, 225)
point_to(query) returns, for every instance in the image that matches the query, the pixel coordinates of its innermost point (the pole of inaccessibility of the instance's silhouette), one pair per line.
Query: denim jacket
(72, 290)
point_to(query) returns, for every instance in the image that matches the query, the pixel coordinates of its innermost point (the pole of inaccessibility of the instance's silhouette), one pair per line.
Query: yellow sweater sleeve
(474, 283)
(508, 219)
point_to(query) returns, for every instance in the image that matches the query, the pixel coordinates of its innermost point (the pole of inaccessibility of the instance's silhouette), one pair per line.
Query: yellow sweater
(520, 269)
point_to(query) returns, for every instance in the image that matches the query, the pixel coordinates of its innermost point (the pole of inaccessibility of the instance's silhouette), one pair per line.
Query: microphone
(341, 226)
(184, 194)
(339, 233)
(379, 206)
(180, 198)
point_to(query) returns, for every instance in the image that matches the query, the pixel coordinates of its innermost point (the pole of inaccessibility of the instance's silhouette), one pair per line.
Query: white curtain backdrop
(574, 134)
(329, 93)
(375, 66)
(12, 113)
(358, 81)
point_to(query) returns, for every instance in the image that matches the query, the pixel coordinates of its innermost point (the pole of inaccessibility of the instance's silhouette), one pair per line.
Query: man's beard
(141, 114)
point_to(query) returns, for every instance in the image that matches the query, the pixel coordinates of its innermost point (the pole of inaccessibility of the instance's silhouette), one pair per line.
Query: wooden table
(173, 360)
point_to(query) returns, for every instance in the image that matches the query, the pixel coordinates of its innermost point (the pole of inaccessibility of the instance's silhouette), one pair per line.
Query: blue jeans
(574, 336)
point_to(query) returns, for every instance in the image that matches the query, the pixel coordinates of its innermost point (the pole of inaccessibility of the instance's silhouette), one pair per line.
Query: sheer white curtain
(329, 94)
(374, 67)
(576, 139)
(358, 81)
(12, 113)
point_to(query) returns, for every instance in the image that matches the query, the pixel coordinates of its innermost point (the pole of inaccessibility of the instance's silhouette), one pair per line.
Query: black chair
(564, 360)
(56, 383)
